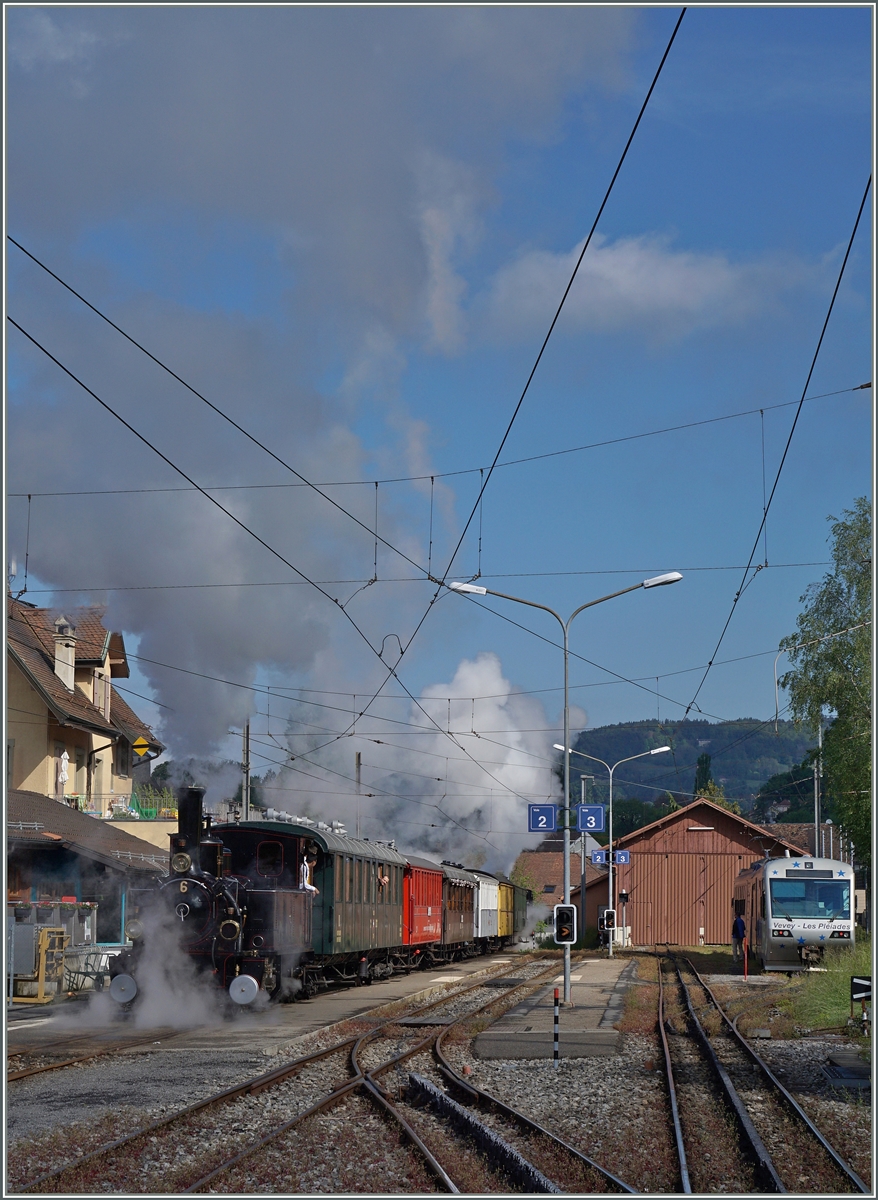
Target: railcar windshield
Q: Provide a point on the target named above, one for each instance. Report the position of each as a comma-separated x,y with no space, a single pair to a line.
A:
823,899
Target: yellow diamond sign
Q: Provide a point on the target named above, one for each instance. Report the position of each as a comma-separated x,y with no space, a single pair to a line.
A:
140,746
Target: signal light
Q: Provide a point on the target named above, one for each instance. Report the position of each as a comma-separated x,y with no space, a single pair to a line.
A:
565,924
610,919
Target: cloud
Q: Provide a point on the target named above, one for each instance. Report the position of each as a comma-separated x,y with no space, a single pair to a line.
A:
40,41
635,282
280,203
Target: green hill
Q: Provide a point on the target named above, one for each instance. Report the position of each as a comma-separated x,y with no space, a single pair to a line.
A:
744,755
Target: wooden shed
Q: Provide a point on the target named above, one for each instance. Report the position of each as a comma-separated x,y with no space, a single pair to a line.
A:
682,873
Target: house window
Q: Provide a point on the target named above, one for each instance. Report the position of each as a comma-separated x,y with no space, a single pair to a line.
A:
550,887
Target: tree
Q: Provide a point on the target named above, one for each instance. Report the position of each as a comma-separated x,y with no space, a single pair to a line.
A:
702,774
831,654
716,792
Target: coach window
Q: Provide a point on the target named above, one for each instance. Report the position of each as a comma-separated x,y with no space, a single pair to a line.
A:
269,859
348,879
339,877
358,881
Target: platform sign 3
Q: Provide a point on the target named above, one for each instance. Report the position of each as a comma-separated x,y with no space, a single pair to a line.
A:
622,857
541,818
590,818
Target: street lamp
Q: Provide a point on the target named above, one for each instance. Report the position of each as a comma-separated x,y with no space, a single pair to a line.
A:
475,589
611,769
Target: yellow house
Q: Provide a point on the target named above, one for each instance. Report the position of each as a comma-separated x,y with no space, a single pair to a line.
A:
70,734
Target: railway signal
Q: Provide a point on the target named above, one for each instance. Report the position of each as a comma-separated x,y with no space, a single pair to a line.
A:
610,919
565,924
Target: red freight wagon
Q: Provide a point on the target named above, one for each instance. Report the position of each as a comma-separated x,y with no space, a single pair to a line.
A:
422,902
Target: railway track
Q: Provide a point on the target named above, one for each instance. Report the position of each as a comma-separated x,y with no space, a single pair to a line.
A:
734,1122
58,1052
196,1145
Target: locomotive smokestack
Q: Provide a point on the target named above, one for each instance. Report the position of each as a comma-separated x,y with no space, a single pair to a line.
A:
189,819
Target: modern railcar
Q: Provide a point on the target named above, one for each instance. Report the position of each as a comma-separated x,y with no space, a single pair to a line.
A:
794,908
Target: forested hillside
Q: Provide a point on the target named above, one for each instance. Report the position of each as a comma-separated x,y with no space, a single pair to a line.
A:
744,754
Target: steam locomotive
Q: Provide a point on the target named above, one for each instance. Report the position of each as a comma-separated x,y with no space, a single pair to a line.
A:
274,909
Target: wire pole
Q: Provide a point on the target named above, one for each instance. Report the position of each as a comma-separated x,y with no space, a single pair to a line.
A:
245,768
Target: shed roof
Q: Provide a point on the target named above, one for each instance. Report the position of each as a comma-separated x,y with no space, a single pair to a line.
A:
760,833
33,819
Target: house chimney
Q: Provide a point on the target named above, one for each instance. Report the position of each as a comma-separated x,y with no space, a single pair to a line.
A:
65,651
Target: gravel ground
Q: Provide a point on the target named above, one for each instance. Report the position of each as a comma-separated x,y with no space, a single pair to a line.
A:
612,1109
350,1150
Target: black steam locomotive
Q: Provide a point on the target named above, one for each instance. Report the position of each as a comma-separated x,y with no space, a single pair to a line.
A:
275,910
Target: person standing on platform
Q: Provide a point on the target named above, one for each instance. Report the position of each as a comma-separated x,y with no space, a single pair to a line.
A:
739,932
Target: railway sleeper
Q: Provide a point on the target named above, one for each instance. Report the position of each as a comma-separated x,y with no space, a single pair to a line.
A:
422,1092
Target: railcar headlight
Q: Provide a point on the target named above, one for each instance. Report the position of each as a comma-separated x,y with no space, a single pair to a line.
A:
133,930
781,933
181,863
840,933
229,930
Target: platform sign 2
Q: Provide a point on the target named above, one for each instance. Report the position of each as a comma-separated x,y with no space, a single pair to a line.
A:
590,818
598,858
541,818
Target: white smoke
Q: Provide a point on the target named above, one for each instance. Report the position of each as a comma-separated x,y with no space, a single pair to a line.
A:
451,776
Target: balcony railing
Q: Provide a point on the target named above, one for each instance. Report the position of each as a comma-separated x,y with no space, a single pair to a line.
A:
119,806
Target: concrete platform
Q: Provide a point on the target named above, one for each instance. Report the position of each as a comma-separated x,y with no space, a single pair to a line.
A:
598,987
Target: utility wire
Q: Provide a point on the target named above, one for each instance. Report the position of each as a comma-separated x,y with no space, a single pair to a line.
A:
780,468
486,480
392,671
513,462
554,322
240,428
182,587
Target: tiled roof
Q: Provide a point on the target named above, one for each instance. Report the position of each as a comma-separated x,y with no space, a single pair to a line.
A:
131,725
26,645
802,835
32,818
31,644
546,869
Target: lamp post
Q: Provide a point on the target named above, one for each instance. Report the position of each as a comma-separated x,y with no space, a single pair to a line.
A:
611,769
582,779
656,581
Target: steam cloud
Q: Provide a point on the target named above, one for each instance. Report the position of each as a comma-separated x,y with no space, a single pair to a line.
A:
464,799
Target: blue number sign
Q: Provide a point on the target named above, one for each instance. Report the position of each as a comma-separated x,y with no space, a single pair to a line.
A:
598,858
541,818
590,818
622,857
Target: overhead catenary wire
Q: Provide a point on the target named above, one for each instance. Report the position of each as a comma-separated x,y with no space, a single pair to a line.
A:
392,671
517,409
783,459
514,462
238,583
215,408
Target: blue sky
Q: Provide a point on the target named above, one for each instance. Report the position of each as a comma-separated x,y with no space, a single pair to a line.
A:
349,229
